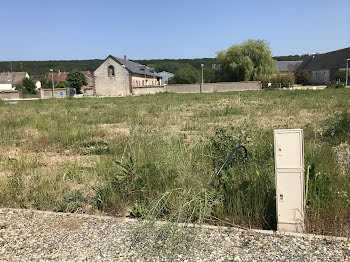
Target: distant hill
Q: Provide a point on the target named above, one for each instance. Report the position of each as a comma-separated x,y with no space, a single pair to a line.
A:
42,67
35,68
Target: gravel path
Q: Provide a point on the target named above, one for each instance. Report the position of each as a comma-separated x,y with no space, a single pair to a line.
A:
27,235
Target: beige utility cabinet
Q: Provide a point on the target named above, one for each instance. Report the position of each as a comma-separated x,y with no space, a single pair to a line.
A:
289,175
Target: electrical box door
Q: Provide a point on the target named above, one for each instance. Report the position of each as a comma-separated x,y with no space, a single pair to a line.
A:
289,175
289,149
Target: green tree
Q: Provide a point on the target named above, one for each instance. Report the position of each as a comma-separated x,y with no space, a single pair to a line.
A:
302,77
340,76
44,82
29,85
209,75
186,75
246,61
62,84
76,79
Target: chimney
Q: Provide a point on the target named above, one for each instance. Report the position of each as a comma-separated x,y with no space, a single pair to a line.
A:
58,72
125,58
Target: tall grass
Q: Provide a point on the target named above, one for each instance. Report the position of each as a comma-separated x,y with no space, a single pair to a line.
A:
156,156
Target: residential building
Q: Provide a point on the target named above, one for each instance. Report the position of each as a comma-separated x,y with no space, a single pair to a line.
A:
323,66
120,77
9,80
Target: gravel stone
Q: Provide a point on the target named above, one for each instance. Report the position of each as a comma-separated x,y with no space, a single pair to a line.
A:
28,235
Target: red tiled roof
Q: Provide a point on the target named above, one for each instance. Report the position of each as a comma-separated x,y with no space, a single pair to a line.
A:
61,76
88,74
57,77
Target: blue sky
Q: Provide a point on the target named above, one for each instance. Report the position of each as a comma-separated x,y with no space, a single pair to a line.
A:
150,29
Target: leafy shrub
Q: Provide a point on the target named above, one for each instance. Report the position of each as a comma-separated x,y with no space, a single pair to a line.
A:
303,77
340,76
186,75
335,84
277,80
62,84
28,86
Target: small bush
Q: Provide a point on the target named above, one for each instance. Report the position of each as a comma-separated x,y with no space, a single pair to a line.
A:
302,77
186,75
339,76
335,84
277,80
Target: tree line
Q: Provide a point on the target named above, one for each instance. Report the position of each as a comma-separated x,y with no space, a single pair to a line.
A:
40,68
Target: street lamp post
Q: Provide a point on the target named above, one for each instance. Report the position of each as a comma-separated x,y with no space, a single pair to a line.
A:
202,79
347,73
53,84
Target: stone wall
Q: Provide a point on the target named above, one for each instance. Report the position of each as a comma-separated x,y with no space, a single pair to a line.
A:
117,85
11,94
215,87
47,93
148,90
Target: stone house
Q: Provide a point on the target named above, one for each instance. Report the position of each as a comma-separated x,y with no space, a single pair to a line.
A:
121,77
323,66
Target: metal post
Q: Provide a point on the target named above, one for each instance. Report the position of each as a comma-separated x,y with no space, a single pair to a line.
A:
347,68
201,89
53,84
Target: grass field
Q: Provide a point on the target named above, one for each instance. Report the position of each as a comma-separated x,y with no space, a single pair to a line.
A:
157,154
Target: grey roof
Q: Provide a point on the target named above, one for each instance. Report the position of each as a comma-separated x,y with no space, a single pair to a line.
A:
13,78
288,66
326,61
135,67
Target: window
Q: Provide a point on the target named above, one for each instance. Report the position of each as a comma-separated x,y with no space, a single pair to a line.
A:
110,71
